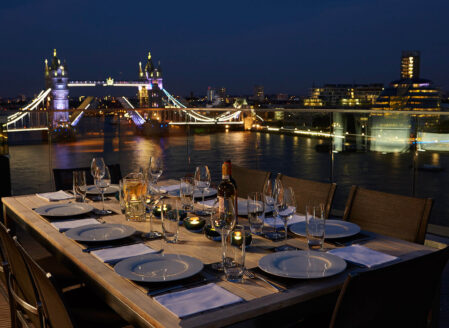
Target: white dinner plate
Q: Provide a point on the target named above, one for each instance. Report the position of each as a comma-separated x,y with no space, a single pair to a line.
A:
158,267
302,264
100,232
93,190
333,229
68,209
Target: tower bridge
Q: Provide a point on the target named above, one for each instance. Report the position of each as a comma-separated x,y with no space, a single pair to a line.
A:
54,101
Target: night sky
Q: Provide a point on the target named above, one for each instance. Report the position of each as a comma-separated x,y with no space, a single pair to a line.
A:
284,45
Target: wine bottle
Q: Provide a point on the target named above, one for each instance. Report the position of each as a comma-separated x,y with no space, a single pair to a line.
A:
226,192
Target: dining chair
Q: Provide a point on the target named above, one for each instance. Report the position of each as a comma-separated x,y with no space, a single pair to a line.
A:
64,177
24,302
309,191
397,216
75,308
396,295
248,180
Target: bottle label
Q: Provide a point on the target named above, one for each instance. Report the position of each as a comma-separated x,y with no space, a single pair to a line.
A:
225,177
223,204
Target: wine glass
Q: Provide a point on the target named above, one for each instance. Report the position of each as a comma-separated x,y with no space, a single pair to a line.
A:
223,221
278,200
156,168
286,206
269,191
97,168
153,199
102,184
202,180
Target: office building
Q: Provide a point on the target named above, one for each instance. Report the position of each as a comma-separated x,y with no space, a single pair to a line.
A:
410,62
411,92
343,95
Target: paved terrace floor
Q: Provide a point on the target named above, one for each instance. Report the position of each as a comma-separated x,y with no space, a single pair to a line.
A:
37,251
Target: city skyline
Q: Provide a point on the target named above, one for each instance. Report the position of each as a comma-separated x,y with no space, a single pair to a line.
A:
287,49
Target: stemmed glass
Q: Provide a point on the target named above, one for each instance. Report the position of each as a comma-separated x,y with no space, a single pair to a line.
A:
224,221
202,180
97,168
156,168
285,206
102,184
270,191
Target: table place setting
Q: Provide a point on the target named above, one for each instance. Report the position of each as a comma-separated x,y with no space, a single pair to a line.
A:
64,210
198,299
363,256
55,196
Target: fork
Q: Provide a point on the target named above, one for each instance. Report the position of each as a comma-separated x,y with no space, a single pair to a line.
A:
252,275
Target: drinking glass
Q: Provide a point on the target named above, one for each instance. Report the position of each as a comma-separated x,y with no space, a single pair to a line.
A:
223,221
271,193
102,184
121,196
79,186
234,254
153,198
186,190
134,192
97,168
202,180
170,222
155,169
286,207
256,212
315,226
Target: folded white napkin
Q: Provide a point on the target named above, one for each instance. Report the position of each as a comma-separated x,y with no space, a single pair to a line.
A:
116,254
55,196
280,224
65,225
169,188
197,299
362,255
210,203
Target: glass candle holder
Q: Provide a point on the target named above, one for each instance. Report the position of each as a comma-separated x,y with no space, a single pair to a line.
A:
211,233
157,210
194,224
236,238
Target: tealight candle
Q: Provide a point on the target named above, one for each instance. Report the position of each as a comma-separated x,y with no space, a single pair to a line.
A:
157,210
194,224
237,238
211,233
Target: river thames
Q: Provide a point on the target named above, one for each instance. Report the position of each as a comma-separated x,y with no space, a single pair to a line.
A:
31,165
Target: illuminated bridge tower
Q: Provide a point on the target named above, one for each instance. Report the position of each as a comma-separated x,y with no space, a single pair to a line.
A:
56,78
152,94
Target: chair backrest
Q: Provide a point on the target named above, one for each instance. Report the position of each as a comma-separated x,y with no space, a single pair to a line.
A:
396,295
64,177
20,283
392,215
56,313
248,180
4,267
309,191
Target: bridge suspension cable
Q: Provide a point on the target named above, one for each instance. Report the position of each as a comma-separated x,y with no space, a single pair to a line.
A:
198,117
25,110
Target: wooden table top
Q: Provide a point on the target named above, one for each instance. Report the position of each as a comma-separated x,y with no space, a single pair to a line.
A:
131,301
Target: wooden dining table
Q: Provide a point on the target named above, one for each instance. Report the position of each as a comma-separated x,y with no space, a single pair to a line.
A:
261,303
